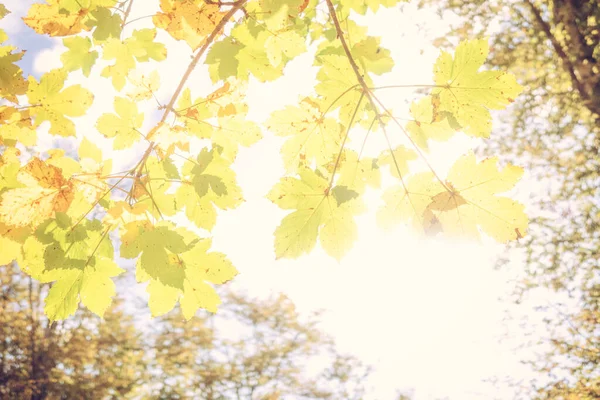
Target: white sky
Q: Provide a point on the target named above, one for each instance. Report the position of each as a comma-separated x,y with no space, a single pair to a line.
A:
424,312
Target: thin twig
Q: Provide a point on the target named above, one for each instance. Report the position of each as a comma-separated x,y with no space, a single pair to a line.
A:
337,161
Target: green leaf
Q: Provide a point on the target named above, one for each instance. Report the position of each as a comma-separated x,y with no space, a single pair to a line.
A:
159,246
178,265
79,55
140,47
468,94
222,59
328,214
53,103
210,183
108,25
428,123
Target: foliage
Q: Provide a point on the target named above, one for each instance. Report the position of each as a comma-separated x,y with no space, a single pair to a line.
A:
80,358
553,47
274,352
63,216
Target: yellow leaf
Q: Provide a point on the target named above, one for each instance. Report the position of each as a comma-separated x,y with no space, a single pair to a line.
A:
473,202
124,126
63,17
425,125
310,137
50,102
145,85
139,47
189,20
408,204
397,160
46,192
320,212
53,20
465,202
468,94
12,83
11,240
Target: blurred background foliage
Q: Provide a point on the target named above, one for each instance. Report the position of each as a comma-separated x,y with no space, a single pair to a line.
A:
553,130
251,349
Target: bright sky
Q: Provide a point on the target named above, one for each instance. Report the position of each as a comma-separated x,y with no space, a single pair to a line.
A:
424,312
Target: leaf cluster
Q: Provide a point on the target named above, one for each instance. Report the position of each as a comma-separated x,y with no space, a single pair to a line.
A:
64,217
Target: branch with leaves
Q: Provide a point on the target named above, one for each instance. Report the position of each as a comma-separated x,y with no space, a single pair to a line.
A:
62,215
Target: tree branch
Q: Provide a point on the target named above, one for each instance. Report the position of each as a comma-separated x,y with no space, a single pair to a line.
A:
558,48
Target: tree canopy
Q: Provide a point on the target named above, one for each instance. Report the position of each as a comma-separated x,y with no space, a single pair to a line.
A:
274,353
64,216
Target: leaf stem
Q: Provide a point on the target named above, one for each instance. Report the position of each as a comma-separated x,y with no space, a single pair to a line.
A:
126,14
339,156
169,107
108,229
372,99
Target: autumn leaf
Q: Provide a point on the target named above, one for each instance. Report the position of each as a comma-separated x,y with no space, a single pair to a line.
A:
310,137
50,102
467,93
124,126
319,212
178,265
79,55
189,20
466,201
140,47
45,192
12,83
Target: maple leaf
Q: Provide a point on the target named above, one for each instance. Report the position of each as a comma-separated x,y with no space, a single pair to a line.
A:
226,104
55,20
354,173
323,213
221,59
468,94
79,55
11,241
12,83
467,200
46,191
189,20
50,102
78,258
145,85
311,137
124,126
284,46
63,17
374,58
178,264
397,160
337,88
140,46
9,169
16,126
210,183
427,125
107,25
3,11
92,286
252,57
